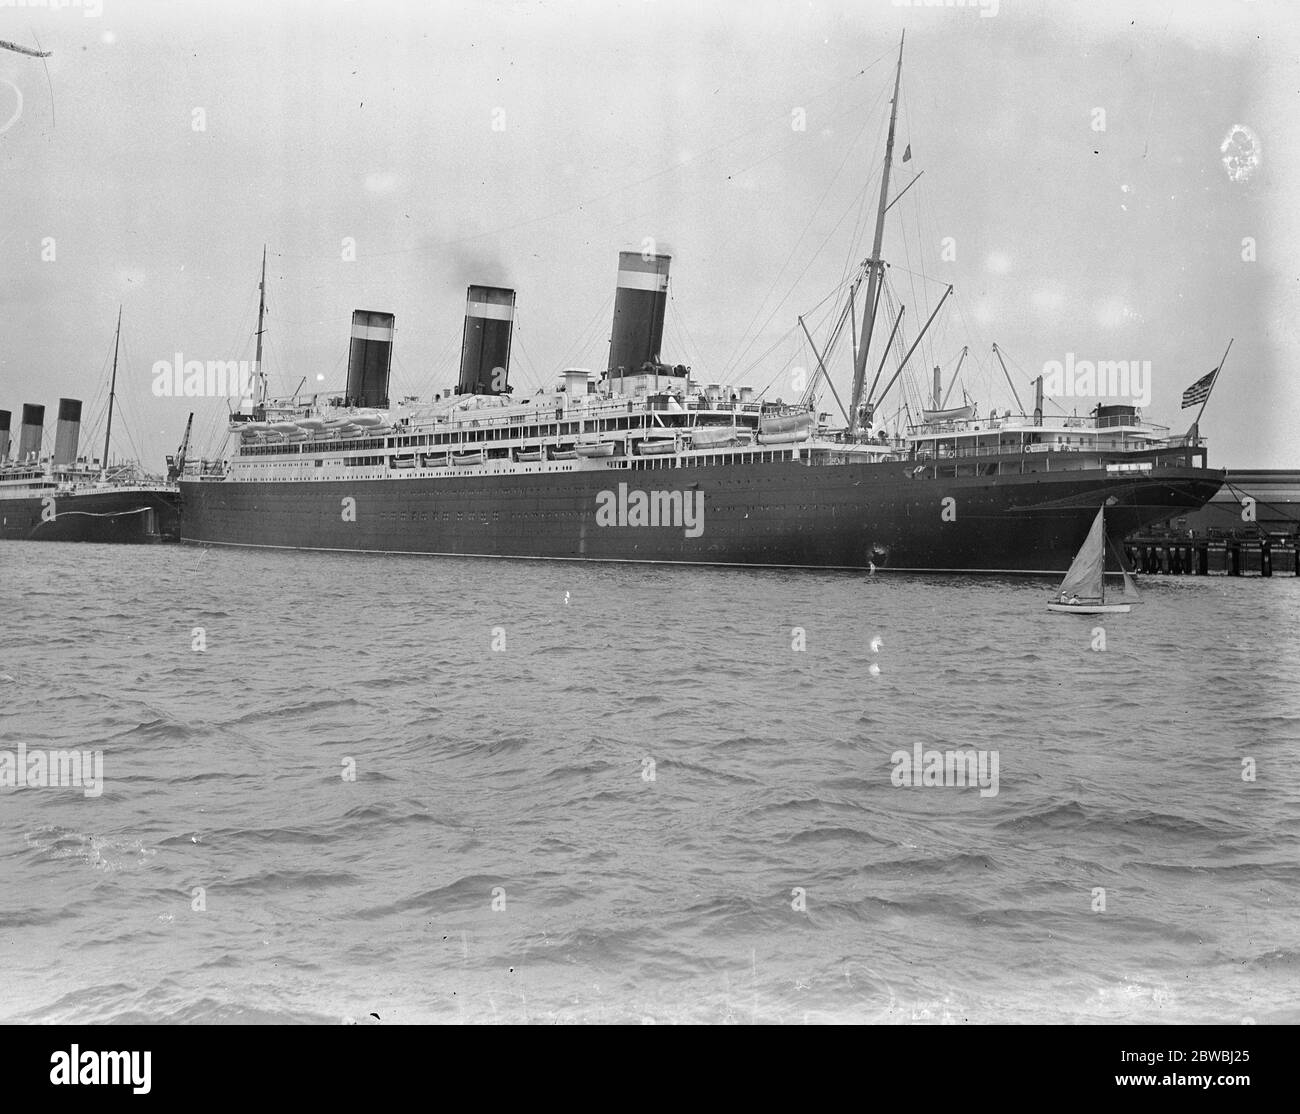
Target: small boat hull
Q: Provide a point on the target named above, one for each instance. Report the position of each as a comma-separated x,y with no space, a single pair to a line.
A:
1090,608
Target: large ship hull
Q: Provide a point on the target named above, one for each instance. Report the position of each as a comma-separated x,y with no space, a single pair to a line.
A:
886,515
127,515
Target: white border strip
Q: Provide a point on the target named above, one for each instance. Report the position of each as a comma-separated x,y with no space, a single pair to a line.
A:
642,280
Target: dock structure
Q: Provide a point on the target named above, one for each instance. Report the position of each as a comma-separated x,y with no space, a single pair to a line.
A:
1250,528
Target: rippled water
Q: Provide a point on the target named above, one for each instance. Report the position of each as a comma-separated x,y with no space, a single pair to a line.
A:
644,779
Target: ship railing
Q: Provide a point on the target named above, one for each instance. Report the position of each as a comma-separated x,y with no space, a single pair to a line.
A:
1026,423
928,451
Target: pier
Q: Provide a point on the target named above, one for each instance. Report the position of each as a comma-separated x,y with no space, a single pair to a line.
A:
1250,528
1212,556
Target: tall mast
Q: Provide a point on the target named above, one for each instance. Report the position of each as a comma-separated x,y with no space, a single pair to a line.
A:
261,314
112,393
875,266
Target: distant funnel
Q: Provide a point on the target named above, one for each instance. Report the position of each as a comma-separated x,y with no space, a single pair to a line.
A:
639,308
29,437
68,432
485,347
5,418
370,358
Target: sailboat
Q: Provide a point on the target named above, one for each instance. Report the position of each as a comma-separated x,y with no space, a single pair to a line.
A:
1083,591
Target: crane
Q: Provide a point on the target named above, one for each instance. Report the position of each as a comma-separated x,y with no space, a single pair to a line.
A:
176,464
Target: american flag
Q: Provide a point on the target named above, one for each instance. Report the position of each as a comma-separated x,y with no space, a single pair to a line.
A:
1199,391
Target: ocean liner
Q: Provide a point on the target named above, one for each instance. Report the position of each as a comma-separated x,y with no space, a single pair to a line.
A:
66,497
641,462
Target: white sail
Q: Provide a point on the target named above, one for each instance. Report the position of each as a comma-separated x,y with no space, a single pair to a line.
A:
1129,593
1085,577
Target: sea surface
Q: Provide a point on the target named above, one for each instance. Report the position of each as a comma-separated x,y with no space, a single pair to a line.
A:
389,789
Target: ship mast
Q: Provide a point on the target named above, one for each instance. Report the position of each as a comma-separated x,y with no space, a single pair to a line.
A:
261,314
874,264
112,393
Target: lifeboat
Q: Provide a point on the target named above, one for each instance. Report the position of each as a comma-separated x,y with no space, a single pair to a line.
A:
657,448
564,454
959,414
528,456
285,427
784,429
477,456
367,421
402,462
712,436
311,424
594,448
789,429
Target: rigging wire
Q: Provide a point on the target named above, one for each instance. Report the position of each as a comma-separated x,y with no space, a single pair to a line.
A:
792,331
441,366
532,373
679,321
589,335
729,367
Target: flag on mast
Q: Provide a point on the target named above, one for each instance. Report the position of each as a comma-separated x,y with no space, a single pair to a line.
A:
907,154
1199,391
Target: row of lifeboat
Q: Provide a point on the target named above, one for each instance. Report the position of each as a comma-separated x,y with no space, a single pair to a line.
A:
300,429
783,430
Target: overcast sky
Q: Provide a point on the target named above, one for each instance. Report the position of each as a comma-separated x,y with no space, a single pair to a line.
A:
525,144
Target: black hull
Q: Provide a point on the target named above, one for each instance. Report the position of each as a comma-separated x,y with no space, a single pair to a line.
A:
129,516
779,514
